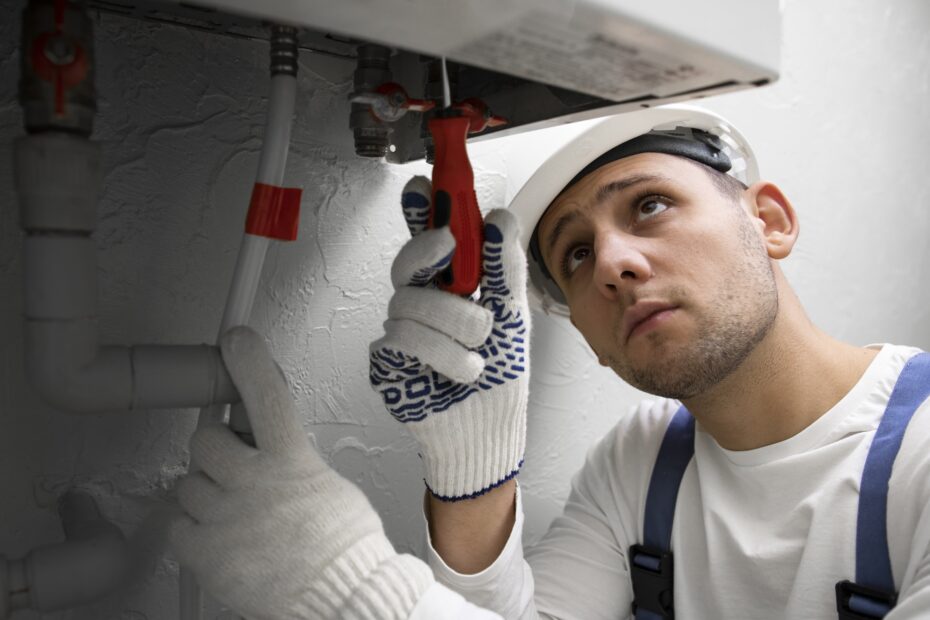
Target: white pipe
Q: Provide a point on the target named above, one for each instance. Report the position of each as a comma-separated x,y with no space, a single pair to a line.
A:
239,303
73,373
271,166
58,182
253,249
64,359
283,100
242,290
246,276
91,563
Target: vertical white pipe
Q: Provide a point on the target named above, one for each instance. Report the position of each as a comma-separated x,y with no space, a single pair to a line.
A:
271,166
277,129
239,302
247,273
63,357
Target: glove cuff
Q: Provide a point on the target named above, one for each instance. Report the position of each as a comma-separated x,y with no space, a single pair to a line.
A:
474,449
391,589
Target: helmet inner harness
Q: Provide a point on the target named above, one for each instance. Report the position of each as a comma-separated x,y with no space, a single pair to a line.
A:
695,144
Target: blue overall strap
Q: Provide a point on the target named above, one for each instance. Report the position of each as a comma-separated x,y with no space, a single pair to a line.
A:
873,594
651,567
674,455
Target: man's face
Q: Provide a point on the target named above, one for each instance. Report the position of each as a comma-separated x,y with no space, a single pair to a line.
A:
667,278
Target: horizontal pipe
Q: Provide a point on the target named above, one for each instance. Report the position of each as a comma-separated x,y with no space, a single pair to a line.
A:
180,376
92,562
69,371
75,573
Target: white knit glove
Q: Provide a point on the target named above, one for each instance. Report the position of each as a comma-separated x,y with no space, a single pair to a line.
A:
456,371
273,532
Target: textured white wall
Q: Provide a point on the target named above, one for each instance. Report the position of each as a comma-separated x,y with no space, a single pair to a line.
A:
181,114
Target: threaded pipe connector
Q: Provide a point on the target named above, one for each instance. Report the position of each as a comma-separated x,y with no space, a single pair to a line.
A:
284,52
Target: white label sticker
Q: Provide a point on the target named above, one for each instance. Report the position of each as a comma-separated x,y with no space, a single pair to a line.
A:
546,49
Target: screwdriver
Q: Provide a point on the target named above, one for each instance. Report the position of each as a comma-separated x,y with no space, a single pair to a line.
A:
454,201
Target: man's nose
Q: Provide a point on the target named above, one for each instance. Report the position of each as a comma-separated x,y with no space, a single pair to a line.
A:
619,265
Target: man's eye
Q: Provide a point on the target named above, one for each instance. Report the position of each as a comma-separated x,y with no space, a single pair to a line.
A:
649,208
574,258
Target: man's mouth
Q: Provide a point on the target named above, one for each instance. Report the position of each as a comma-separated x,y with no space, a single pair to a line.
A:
644,316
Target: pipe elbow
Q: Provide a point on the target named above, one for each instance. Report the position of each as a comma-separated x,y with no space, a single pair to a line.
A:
91,563
69,372
64,360
75,573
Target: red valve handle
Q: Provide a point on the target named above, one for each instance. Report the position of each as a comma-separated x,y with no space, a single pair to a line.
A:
455,203
62,76
479,115
415,105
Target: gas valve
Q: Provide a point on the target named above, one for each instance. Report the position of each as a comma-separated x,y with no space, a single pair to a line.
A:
390,102
57,81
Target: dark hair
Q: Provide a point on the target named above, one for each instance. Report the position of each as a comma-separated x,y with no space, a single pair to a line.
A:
728,186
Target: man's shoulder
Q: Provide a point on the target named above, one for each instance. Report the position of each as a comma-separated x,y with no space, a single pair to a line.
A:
917,436
914,455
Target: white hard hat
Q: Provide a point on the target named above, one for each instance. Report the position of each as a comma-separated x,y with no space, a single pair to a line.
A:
597,146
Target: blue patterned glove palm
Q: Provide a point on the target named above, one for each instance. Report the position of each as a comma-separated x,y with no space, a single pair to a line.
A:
456,370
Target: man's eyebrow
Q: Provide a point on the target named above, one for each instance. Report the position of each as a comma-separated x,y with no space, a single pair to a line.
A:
559,227
603,193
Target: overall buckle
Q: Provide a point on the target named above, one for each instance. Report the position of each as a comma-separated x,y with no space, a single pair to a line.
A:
651,571
856,602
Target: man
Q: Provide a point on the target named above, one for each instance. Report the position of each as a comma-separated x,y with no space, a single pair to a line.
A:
740,500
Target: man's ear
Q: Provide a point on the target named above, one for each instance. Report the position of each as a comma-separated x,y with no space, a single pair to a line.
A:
779,222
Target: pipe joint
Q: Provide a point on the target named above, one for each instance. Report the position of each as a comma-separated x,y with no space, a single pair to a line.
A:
58,179
91,563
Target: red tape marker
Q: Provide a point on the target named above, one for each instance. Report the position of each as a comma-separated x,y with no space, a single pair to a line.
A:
274,212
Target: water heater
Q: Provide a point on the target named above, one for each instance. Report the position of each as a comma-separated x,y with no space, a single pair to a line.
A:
532,63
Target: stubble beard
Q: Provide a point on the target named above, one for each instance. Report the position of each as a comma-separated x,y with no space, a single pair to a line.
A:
727,332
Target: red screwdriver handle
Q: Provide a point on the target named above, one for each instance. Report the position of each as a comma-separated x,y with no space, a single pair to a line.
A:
455,203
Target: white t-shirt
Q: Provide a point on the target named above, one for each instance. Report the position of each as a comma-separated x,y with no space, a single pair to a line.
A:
758,534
